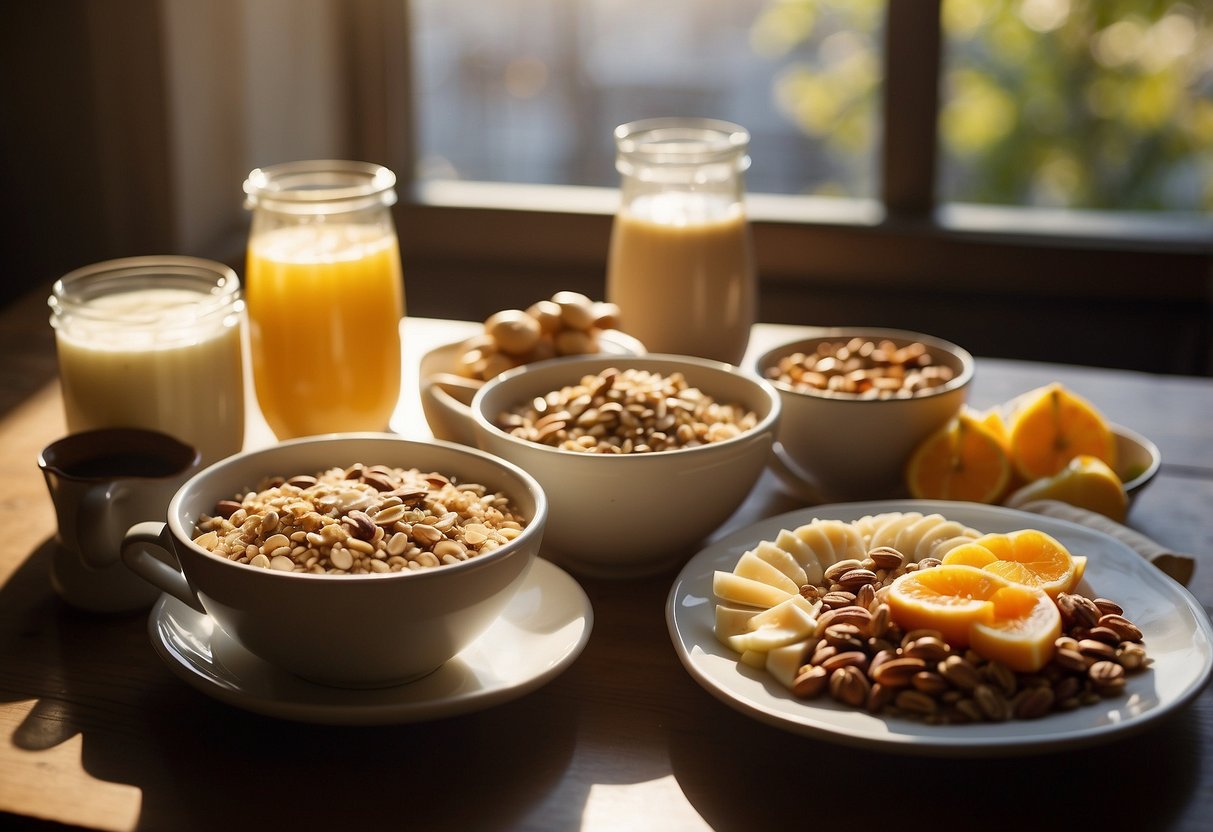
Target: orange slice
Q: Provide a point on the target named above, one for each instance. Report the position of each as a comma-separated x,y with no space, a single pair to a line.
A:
1087,482
1051,426
1003,621
1028,557
964,460
970,554
1022,634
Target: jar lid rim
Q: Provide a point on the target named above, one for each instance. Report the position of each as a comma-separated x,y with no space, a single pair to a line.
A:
309,183
681,140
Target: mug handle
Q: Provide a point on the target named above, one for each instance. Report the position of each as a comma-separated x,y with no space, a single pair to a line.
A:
147,550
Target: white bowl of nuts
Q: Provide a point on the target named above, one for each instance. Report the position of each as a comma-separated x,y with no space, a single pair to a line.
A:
355,560
857,401
641,456
567,324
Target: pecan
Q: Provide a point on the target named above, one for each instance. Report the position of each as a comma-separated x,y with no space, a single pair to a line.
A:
853,579
927,648
1077,610
843,636
960,672
1123,627
915,702
226,508
849,685
810,682
1070,660
1033,702
851,658
1097,650
886,557
361,525
929,682
838,569
1131,656
1108,677
897,673
993,705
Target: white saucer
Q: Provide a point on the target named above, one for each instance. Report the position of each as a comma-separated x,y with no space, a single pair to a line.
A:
1178,637
542,630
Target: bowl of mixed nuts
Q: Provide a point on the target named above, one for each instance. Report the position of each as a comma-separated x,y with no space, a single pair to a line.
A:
857,401
354,560
641,456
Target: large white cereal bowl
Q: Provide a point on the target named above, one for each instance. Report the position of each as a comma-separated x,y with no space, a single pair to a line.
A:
625,515
843,448
358,631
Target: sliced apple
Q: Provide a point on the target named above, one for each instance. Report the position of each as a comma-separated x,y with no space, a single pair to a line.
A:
753,567
784,663
802,553
731,621
730,587
782,560
754,658
789,621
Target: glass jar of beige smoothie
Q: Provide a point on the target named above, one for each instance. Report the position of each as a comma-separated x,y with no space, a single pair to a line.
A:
681,262
153,342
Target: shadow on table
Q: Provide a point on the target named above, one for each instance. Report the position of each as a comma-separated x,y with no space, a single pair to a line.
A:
1140,782
201,764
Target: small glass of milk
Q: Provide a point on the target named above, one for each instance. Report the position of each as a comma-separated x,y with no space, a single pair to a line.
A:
153,342
681,261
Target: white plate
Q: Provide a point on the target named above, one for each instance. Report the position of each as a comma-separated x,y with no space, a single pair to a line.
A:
542,630
1178,637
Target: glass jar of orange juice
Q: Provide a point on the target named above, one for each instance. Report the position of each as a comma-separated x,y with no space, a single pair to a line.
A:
325,296
681,263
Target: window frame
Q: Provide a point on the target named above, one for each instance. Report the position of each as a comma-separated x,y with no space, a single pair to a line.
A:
903,234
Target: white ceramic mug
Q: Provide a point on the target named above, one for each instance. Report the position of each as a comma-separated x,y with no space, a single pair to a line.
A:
356,631
102,482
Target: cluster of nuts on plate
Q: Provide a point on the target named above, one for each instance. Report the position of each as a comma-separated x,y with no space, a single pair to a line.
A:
567,324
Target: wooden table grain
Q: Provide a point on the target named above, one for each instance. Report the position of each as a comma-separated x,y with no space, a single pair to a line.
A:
98,733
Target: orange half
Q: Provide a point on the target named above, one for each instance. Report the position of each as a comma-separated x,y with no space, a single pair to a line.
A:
964,460
1011,623
1051,426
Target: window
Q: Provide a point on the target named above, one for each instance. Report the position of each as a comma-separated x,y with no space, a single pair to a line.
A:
886,188
1095,104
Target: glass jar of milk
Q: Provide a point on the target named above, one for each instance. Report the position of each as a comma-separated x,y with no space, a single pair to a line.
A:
153,342
325,296
681,263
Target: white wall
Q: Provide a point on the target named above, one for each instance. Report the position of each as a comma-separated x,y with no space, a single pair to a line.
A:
249,83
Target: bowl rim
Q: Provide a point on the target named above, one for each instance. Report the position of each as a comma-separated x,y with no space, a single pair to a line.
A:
765,425
958,381
1143,479
533,528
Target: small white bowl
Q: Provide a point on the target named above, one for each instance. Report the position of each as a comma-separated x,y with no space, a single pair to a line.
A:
628,515
1137,459
355,631
446,395
843,448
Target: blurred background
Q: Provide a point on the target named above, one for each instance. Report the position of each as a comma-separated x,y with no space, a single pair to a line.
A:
1030,178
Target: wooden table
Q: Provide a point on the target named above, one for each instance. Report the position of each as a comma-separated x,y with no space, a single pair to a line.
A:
99,733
